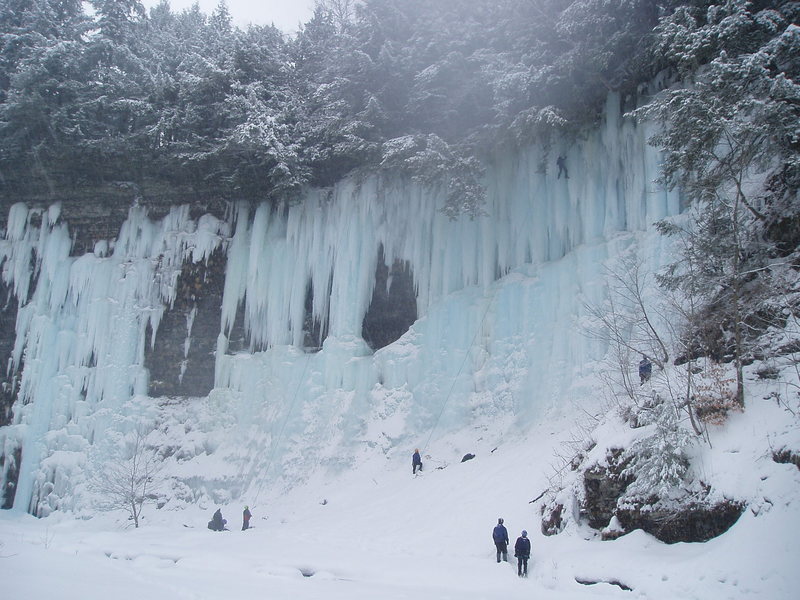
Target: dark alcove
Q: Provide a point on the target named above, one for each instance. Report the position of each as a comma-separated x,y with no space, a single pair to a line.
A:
394,304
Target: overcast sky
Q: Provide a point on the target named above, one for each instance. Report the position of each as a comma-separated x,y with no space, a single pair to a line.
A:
285,14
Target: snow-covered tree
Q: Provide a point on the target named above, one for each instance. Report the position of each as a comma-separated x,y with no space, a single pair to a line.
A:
431,161
730,140
116,19
186,100
657,462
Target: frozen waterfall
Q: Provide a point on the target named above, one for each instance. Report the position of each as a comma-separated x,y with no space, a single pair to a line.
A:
497,340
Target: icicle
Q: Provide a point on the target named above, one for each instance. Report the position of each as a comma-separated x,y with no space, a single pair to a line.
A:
332,243
83,330
17,222
501,346
189,322
498,298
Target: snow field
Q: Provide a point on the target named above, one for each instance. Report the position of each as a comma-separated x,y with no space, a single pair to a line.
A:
377,531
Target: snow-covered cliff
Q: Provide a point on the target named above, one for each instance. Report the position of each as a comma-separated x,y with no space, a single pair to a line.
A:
497,345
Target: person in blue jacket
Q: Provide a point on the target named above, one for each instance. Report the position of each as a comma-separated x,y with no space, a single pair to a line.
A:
416,461
500,537
645,370
217,523
522,550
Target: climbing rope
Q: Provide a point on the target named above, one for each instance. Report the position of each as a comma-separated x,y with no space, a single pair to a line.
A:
460,369
274,445
277,439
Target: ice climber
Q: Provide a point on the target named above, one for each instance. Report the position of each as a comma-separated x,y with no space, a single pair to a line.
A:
522,550
246,518
645,370
416,461
217,523
500,537
561,161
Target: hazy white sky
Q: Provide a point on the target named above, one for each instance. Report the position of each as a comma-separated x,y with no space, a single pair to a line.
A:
285,14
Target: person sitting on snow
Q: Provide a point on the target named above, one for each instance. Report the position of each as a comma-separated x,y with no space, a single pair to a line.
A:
217,523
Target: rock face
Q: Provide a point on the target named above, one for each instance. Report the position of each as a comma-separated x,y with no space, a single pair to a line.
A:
552,523
603,487
603,499
181,358
393,307
8,317
95,217
679,521
8,387
181,363
686,523
13,475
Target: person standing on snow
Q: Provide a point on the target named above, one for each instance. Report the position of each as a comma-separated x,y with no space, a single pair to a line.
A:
246,518
416,461
522,550
500,537
645,370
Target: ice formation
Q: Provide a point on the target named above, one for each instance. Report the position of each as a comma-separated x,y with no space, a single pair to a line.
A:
81,334
497,340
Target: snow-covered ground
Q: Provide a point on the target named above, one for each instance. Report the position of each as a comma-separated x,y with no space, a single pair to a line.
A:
379,532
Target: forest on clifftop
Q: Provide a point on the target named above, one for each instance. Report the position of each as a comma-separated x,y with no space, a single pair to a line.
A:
159,100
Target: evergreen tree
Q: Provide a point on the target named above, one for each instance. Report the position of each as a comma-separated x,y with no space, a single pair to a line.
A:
39,66
188,100
658,461
117,19
730,140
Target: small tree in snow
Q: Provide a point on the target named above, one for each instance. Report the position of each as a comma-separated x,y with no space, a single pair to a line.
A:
715,394
127,480
658,462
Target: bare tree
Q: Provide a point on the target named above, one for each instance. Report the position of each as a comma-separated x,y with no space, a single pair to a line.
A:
126,480
626,323
632,325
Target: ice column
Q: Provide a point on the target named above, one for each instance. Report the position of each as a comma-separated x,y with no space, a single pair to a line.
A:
499,297
81,334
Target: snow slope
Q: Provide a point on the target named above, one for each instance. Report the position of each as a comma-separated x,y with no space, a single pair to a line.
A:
378,532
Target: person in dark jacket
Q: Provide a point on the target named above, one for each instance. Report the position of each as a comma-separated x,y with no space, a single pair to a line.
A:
217,523
645,370
246,518
416,461
561,161
500,537
522,550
